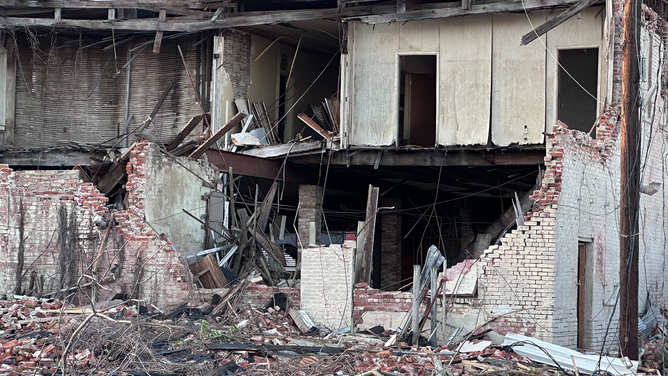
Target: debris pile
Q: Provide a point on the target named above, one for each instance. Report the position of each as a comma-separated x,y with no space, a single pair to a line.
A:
231,337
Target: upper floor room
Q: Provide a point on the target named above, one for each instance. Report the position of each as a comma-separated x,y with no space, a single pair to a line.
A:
467,81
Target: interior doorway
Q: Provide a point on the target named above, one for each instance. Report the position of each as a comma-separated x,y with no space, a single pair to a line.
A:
417,100
584,294
576,107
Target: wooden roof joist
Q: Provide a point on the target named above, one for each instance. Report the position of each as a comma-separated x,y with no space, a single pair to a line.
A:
198,4
174,24
455,10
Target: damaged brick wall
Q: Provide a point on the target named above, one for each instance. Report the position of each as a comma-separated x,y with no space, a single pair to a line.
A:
310,211
516,278
148,266
42,213
60,240
390,244
375,307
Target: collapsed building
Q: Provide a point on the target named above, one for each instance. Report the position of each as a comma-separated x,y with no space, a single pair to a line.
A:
330,143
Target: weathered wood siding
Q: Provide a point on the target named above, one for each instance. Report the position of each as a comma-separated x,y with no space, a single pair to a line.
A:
485,78
55,77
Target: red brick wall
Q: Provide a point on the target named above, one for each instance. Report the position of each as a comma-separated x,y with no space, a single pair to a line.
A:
366,299
147,267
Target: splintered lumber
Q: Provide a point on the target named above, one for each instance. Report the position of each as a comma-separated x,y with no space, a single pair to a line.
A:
109,181
303,322
185,131
253,347
162,16
273,249
265,208
216,136
313,125
207,271
370,231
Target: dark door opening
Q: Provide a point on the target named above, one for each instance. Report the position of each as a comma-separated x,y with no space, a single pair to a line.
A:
576,108
582,292
417,100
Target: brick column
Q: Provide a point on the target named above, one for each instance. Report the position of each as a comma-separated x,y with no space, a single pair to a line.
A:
390,244
310,197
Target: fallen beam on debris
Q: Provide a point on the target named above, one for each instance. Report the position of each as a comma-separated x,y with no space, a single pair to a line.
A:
216,136
265,348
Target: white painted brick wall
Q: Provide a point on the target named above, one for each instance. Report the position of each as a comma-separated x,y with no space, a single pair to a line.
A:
326,285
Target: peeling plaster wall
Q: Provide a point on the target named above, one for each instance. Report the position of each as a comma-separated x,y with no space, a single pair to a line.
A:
484,78
172,186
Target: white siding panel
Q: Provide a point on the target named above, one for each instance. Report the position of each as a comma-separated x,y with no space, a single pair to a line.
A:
375,99
419,36
518,93
585,31
465,80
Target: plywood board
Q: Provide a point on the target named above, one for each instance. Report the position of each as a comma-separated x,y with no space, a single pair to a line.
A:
465,80
518,90
583,31
375,89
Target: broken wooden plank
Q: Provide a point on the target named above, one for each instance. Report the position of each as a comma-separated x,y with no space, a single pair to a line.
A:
259,347
455,10
370,231
185,131
208,272
109,181
313,125
302,321
556,21
265,207
216,136
158,34
273,249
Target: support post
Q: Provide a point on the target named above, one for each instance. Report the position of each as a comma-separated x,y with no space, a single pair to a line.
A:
629,183
416,304
433,275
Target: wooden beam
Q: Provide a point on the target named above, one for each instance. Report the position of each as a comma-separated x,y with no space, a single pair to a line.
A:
216,136
455,10
57,14
401,6
173,24
158,34
433,157
111,14
54,158
257,167
10,93
103,3
369,233
313,125
556,21
184,132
